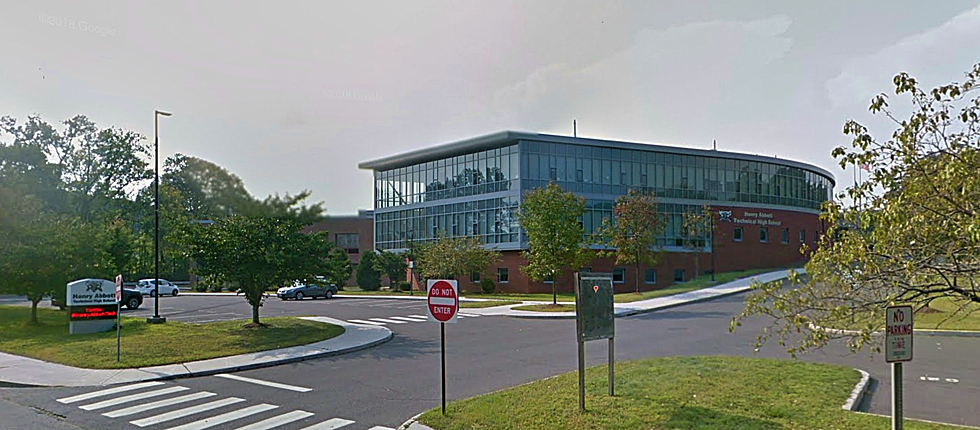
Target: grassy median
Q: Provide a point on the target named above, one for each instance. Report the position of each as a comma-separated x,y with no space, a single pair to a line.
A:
149,344
486,304
704,393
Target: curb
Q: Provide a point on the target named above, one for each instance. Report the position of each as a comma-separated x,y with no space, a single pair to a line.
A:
630,312
939,333
213,371
857,394
413,423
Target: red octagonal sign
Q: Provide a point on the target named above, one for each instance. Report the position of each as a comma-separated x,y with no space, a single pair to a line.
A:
443,300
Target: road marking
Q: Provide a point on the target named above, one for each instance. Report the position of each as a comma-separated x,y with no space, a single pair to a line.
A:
365,322
469,315
131,398
277,421
952,380
388,321
224,418
409,319
158,404
266,383
380,428
180,413
420,316
81,397
331,424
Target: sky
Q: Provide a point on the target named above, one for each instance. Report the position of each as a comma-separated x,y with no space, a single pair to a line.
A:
292,95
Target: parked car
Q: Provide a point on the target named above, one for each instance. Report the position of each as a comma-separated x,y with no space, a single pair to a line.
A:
146,287
298,291
131,299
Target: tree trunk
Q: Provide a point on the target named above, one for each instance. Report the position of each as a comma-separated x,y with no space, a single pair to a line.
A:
34,303
636,277
554,289
255,313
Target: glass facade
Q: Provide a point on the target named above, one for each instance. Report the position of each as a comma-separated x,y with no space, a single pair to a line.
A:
478,194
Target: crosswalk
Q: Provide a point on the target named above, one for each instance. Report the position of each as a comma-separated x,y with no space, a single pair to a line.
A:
154,405
404,319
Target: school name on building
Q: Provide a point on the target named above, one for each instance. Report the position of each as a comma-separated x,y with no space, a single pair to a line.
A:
94,298
757,218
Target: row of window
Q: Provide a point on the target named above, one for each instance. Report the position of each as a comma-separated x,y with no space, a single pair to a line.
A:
619,275
493,220
739,232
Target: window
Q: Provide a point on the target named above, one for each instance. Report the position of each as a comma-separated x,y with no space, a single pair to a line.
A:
678,275
619,275
763,234
650,276
785,236
579,176
348,242
553,173
802,236
502,275
475,277
585,270
737,234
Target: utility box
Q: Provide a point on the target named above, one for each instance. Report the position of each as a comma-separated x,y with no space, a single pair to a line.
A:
92,306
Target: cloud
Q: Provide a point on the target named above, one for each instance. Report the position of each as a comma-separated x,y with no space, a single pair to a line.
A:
933,56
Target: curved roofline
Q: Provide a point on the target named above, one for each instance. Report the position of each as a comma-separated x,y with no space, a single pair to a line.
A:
508,137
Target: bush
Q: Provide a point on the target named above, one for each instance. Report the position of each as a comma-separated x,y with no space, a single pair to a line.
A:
200,287
368,275
403,286
487,285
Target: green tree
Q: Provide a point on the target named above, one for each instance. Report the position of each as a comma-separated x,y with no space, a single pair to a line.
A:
912,237
393,265
256,253
339,268
697,233
550,218
632,234
454,257
368,272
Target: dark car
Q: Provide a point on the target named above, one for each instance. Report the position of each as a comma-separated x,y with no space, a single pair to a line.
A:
299,291
131,299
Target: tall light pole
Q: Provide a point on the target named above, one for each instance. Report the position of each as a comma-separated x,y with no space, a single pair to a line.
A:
156,318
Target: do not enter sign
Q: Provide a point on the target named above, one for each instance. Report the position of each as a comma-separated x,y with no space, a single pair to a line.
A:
443,300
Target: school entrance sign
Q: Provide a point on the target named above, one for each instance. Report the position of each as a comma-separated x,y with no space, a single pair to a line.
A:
92,306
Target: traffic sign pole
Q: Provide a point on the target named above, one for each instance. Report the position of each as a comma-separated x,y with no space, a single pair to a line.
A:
119,282
612,361
443,341
897,396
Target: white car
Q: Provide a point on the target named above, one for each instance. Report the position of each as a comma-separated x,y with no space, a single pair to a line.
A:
146,287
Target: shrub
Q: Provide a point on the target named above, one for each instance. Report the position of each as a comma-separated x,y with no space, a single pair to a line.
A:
487,285
368,275
403,286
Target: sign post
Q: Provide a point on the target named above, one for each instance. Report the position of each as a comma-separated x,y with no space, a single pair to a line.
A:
898,349
119,282
594,319
443,302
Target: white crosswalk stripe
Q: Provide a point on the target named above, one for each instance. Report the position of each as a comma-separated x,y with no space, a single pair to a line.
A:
156,405
101,393
420,316
409,319
380,428
180,413
132,398
388,321
225,418
331,424
266,383
365,322
468,315
277,421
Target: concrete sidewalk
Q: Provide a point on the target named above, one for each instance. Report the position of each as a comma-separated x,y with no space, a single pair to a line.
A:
649,305
22,371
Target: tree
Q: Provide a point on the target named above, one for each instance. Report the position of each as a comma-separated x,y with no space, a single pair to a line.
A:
453,258
550,218
368,273
632,234
914,237
393,265
697,232
339,268
256,253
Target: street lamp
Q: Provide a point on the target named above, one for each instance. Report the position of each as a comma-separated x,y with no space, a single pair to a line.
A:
156,318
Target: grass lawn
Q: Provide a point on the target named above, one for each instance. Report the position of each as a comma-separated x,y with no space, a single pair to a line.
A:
561,307
488,304
709,393
149,344
942,316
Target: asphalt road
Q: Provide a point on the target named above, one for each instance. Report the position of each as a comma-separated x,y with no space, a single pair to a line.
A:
385,385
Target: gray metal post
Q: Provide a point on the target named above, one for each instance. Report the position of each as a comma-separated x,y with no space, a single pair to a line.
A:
897,396
118,329
581,375
612,362
443,337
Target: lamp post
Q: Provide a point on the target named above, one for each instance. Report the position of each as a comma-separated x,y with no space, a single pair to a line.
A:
156,318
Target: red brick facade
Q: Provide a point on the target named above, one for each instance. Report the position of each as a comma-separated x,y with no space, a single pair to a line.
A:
361,224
